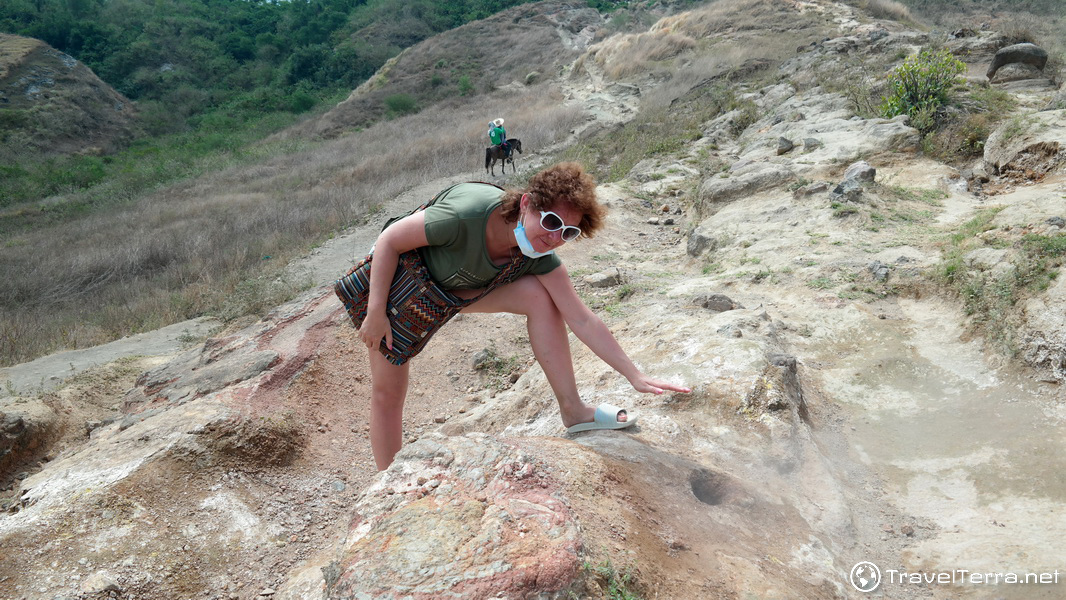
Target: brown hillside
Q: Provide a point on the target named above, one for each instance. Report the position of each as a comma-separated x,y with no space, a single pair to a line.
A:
54,104
511,46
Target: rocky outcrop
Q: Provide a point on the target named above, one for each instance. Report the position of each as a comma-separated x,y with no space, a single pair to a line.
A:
1027,147
829,123
744,179
1043,343
461,517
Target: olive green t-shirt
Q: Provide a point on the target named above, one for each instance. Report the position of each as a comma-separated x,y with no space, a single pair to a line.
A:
455,227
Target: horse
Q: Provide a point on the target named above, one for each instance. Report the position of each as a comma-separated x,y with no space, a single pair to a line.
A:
496,153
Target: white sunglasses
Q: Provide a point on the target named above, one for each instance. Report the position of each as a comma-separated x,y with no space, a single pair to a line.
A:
550,221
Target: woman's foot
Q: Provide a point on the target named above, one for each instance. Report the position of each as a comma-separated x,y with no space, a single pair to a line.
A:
605,416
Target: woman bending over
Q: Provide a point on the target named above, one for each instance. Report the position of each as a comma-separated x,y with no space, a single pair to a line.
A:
465,238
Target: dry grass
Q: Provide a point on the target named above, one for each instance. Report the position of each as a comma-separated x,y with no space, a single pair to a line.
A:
734,16
217,244
888,9
627,55
694,45
13,49
721,64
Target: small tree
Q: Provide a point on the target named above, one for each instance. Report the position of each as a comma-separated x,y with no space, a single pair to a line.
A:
920,86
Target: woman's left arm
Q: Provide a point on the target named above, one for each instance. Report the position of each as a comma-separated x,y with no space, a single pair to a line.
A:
592,331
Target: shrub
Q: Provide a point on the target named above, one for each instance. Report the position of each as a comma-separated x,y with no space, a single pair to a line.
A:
301,102
400,104
465,87
920,86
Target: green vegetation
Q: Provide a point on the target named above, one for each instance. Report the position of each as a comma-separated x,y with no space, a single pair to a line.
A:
94,182
618,584
821,283
499,370
920,86
992,297
221,50
928,196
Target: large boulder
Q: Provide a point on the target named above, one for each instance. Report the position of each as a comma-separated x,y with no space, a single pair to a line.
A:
1026,53
462,517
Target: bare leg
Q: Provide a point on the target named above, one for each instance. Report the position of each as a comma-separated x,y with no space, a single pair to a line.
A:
547,335
389,390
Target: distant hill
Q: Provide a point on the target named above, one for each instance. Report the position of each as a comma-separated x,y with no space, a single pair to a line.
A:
520,44
52,104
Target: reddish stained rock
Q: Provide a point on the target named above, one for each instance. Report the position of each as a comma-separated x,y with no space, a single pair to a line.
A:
490,523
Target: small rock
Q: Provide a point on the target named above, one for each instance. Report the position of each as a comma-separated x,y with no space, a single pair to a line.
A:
716,302
907,530
784,146
1056,222
782,360
861,171
878,270
267,592
849,190
653,221
483,359
664,208
100,582
609,278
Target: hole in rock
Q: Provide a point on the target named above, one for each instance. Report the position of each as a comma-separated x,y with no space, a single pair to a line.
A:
710,487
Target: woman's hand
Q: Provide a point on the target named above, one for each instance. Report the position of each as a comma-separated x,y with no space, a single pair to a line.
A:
376,326
650,385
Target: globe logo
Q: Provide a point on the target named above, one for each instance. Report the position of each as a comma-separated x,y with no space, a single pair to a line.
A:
865,576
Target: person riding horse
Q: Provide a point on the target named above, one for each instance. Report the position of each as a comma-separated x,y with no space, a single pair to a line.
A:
498,137
497,153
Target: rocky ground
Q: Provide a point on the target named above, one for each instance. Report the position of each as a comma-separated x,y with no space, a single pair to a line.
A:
842,410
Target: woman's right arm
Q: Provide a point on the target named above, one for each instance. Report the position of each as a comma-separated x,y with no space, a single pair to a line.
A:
406,234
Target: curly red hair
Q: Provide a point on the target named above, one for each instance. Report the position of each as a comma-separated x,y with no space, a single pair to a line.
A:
564,182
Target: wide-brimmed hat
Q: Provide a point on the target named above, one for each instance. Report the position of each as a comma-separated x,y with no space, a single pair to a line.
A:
498,122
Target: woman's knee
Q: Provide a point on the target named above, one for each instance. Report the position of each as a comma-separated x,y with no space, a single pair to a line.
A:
388,382
535,299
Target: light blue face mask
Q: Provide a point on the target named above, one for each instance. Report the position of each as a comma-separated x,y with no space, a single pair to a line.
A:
524,244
